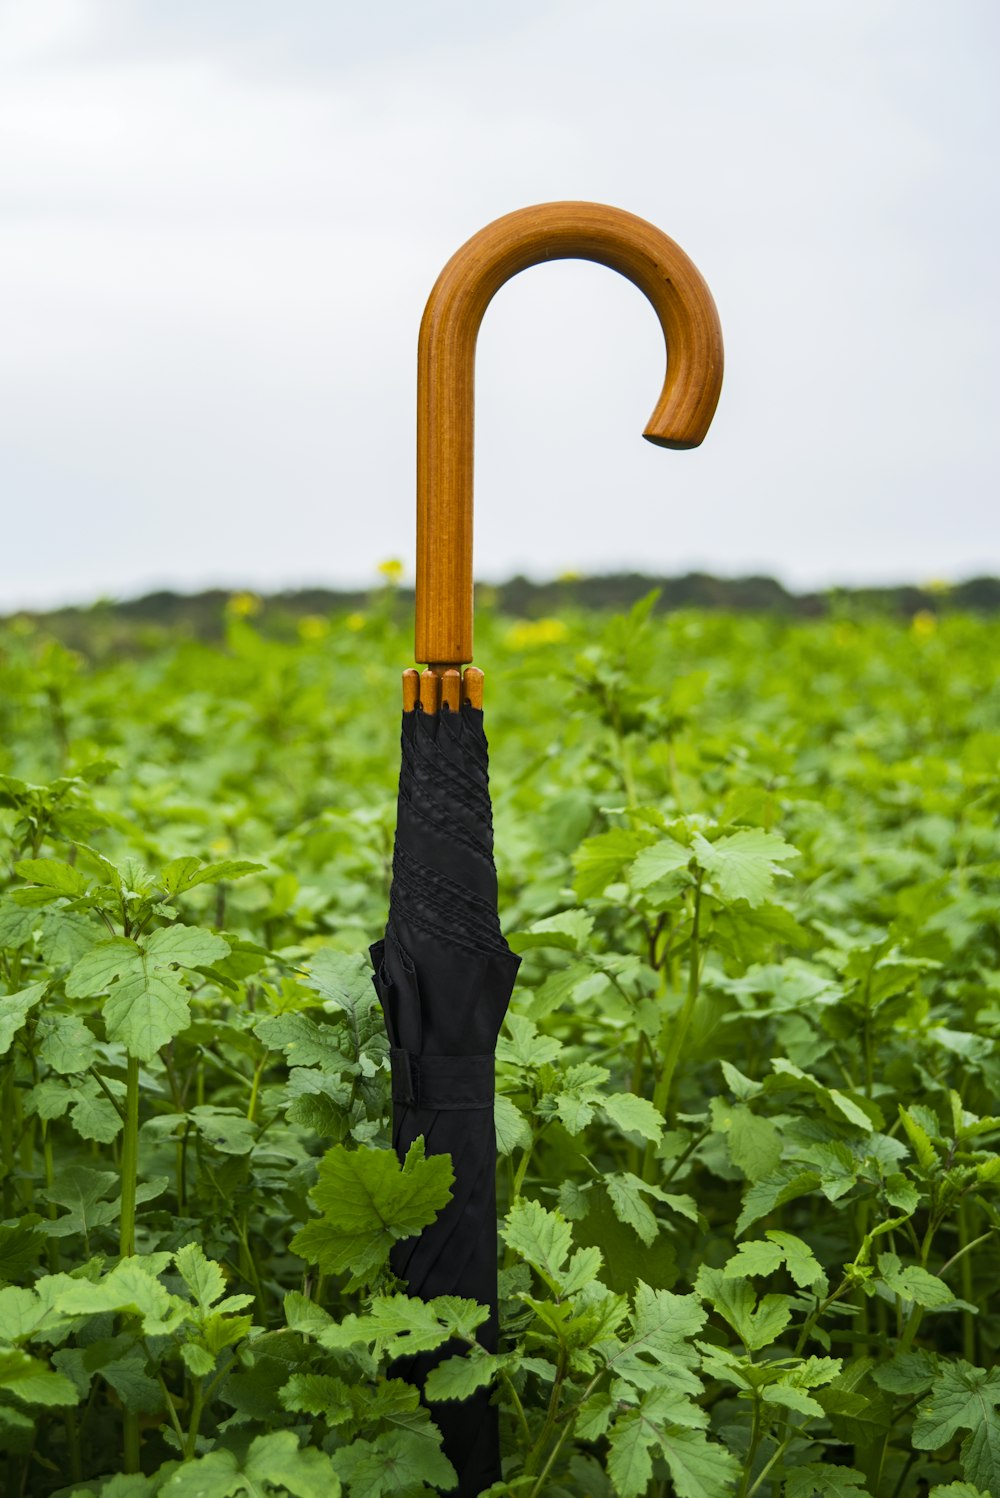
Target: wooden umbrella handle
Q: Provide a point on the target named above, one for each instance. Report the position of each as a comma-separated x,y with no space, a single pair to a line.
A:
446,373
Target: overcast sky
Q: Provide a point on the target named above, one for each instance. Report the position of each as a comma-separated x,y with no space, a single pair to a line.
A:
220,219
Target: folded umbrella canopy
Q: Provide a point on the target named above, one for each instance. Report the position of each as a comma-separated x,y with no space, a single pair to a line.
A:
444,973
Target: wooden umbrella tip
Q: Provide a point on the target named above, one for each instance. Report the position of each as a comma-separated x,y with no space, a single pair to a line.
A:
451,689
472,687
411,689
430,691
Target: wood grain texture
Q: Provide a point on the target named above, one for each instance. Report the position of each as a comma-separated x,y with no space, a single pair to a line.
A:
430,691
446,379
472,687
411,689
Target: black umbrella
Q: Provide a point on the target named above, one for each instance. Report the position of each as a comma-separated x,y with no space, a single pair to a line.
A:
444,972
444,975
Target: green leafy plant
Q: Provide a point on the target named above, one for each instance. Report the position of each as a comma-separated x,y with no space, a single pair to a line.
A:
746,1105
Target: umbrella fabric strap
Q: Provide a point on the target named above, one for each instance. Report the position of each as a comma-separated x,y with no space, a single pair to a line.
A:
450,1082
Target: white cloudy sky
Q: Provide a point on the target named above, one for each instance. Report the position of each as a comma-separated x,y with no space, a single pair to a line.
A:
219,221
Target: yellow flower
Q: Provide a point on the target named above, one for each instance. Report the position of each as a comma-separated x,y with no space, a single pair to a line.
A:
923,623
313,627
243,606
355,622
938,586
532,632
392,570
569,577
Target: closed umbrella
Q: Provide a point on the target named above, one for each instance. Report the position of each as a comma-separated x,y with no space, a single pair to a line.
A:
443,972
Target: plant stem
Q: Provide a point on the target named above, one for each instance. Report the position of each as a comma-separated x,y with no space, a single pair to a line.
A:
755,1434
522,1418
191,1445
537,1451
678,1035
130,1447
130,1161
73,1446
126,1229
53,1244
968,1290
7,1138
778,1452
255,1087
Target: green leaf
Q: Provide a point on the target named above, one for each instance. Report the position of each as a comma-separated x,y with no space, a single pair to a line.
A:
981,1456
513,1130
743,1088
182,874
743,866
920,1141
14,1011
634,1115
784,1185
789,1397
914,1283
29,1380
458,1377
583,1268
304,1315
700,1468
594,1416
907,1373
658,1354
67,1044
318,1394
523,1046
368,1201
53,873
399,1324
828,1481
147,1002
958,1490
305,1042
803,1266
131,1288
602,859
203,1277
625,1194
569,930
754,1143
197,1359
757,1326
93,1115
666,859
900,1192
630,1465
22,1312
398,1462
758,1257
84,1192
542,1238
273,1464
21,1244
961,1397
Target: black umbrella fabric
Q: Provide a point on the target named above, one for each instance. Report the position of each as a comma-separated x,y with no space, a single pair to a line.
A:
444,976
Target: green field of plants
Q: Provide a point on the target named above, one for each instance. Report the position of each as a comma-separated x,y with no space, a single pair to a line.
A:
749,1182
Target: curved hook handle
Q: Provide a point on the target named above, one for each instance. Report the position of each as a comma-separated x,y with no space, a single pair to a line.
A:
446,373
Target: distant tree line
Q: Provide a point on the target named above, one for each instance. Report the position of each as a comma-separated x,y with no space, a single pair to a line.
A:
203,615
